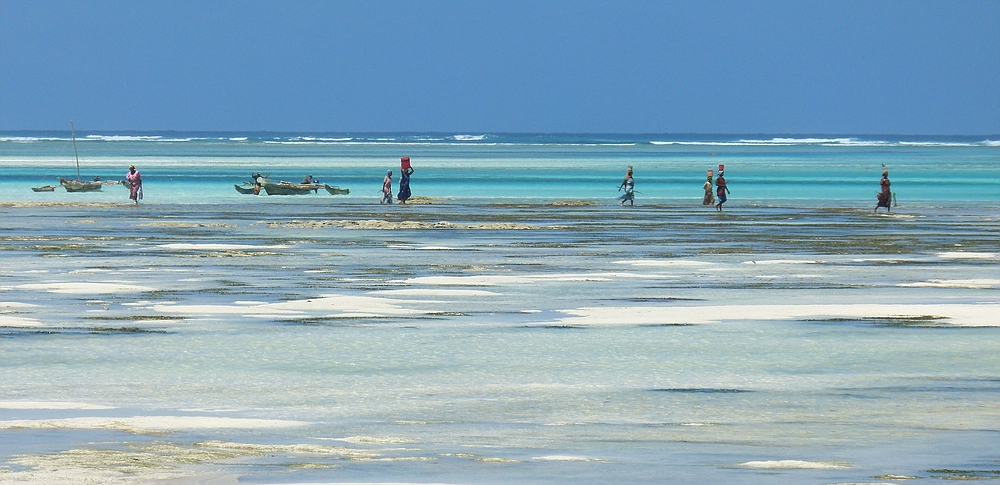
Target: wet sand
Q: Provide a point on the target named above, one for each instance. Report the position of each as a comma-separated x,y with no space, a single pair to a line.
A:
202,342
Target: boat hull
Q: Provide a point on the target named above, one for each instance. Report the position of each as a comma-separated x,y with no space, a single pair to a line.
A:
288,188
80,186
244,188
46,188
336,190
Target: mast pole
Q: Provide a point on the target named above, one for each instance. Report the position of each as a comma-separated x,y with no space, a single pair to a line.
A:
72,130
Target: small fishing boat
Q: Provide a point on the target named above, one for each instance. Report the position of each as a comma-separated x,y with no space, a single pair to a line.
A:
288,188
245,188
333,190
45,188
78,185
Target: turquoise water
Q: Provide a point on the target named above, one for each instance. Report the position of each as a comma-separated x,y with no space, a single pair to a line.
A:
182,168
494,337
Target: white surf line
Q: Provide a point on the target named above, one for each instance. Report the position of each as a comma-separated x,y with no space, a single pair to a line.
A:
972,315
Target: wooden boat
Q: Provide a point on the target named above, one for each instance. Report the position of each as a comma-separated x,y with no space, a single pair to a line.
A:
336,190
80,185
244,188
45,188
288,188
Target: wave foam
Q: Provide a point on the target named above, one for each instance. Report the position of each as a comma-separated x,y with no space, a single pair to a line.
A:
135,138
829,142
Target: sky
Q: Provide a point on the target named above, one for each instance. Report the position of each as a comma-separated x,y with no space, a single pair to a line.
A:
817,67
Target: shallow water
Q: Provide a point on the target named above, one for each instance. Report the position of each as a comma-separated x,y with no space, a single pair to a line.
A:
329,339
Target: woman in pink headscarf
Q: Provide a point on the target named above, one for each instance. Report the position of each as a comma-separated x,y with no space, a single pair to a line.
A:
135,184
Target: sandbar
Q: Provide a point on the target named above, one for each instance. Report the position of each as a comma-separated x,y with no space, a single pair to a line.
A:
972,315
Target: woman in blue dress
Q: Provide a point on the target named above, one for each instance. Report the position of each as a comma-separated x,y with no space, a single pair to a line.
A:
404,185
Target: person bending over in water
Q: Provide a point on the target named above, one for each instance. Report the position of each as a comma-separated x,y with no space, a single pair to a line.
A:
387,188
721,190
885,196
135,184
629,185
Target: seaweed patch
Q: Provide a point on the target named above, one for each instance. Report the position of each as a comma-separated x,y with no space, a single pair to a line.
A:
915,321
111,330
950,474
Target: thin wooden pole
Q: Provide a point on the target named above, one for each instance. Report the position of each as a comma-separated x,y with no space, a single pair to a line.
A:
72,130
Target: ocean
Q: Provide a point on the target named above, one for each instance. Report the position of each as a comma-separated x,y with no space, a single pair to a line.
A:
512,325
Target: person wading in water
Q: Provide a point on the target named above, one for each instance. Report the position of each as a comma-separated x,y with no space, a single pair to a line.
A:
885,196
387,188
404,179
135,184
709,196
629,185
721,190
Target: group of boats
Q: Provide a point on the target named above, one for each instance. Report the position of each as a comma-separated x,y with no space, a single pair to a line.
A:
259,184
266,186
79,185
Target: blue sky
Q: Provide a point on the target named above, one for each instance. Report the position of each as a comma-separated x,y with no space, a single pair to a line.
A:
835,67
